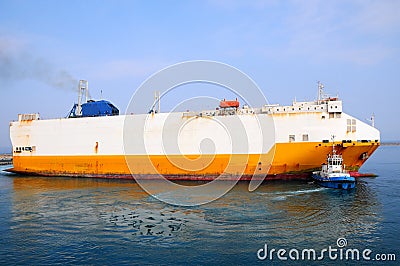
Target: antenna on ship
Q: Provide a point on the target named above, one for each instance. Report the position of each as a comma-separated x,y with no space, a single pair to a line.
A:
372,120
157,101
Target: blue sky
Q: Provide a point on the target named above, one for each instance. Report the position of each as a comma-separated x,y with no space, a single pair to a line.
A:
353,47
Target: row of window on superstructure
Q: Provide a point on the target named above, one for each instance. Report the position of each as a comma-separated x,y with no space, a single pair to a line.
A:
333,115
26,148
28,117
292,138
293,109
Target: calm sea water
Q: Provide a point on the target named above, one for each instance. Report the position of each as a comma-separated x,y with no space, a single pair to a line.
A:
91,221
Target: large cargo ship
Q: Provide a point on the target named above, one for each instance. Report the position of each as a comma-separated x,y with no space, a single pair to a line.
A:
90,141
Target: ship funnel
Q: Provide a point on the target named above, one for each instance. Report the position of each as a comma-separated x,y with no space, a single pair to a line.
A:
83,96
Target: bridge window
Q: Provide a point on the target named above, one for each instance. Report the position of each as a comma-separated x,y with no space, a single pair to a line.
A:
292,138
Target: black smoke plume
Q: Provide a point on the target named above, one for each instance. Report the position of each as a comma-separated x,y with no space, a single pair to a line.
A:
21,65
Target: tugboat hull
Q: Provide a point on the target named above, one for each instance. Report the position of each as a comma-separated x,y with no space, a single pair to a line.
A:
342,182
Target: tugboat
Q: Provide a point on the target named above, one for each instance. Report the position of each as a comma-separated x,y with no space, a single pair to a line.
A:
333,174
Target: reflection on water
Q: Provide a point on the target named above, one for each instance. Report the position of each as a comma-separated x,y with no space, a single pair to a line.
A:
110,221
320,214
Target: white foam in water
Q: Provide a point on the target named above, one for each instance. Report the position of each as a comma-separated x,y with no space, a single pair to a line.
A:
304,191
4,167
280,198
291,193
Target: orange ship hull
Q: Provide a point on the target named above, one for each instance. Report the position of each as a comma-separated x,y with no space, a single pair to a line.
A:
290,161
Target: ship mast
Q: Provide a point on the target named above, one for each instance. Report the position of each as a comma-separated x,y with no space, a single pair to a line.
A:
320,91
83,95
333,144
